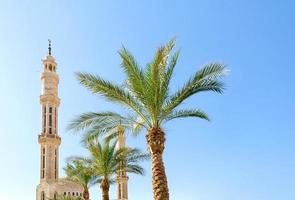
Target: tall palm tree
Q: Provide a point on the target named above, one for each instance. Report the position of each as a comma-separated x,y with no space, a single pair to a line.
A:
79,171
105,160
147,96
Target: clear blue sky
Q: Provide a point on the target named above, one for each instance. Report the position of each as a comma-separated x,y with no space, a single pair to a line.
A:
247,152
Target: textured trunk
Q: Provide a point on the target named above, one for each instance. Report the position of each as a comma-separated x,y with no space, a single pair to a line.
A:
156,139
86,194
105,187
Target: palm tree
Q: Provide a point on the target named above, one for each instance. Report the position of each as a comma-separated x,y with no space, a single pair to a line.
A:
147,96
115,132
79,171
106,160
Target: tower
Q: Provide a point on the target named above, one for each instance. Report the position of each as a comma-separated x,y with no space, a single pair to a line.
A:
122,178
48,138
50,185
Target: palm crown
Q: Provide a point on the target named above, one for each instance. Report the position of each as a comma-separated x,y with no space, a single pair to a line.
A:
79,171
106,160
147,92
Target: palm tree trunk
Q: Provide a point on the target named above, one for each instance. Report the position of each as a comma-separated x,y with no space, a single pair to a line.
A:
105,187
86,194
156,139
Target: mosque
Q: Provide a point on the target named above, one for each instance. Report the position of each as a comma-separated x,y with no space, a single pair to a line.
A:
51,185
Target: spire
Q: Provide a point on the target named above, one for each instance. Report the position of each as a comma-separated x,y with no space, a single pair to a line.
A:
49,47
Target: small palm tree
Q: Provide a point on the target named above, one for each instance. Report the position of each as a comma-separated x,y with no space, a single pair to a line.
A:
79,171
147,96
106,160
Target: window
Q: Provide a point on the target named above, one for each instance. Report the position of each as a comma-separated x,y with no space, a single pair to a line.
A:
55,119
73,193
44,119
55,195
50,120
55,163
50,67
65,193
42,195
43,164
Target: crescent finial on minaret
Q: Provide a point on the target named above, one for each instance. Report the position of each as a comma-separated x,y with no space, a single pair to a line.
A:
49,47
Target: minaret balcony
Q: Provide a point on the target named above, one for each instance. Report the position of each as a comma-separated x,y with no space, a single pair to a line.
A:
49,98
42,138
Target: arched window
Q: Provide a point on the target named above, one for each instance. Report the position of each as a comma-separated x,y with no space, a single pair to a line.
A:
44,118
43,163
42,195
73,193
55,122
50,119
55,195
55,163
50,67
65,193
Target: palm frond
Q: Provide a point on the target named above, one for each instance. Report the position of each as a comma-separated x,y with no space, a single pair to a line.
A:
206,79
167,76
79,170
135,169
98,119
135,76
110,91
184,113
154,73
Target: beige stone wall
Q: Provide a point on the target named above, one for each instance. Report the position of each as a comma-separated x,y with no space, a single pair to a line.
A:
60,187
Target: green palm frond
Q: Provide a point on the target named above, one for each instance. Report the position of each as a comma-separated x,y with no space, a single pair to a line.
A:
105,159
100,120
154,78
135,76
138,125
187,113
167,76
135,169
110,91
206,79
131,155
95,125
78,170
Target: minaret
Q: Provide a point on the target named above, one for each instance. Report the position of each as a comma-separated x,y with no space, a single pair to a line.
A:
50,185
122,178
48,138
